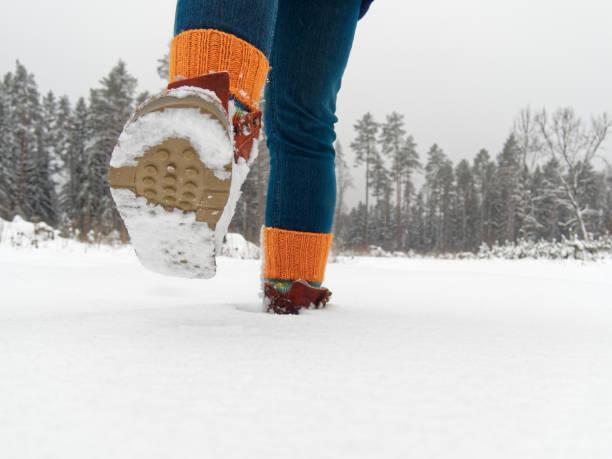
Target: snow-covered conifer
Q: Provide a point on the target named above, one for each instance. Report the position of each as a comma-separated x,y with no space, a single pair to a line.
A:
110,105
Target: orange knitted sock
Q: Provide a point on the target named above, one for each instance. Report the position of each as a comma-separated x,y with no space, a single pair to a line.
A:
292,255
199,52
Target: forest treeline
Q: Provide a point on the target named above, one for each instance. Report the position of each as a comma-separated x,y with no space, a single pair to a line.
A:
549,181
544,184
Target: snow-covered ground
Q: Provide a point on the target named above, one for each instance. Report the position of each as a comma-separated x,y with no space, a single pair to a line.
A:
413,359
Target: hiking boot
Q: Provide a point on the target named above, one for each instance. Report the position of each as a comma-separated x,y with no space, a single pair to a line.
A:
176,174
300,295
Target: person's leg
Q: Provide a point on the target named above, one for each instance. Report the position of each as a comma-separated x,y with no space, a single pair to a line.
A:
310,51
225,35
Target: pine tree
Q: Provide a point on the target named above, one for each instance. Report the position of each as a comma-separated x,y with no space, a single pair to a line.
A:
485,181
448,197
439,192
366,152
401,151
392,139
110,106
24,144
412,164
7,164
382,189
510,191
418,240
353,232
73,196
44,203
466,208
62,139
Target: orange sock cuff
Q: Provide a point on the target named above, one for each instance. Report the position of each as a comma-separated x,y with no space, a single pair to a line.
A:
199,52
295,254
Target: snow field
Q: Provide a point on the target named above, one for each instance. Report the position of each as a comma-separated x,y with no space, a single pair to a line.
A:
414,358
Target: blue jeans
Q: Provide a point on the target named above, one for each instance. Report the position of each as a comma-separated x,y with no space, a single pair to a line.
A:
308,45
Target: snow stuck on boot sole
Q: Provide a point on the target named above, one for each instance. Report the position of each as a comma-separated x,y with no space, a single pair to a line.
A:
171,178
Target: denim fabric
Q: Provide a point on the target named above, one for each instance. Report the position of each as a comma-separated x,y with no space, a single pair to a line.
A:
251,20
308,54
365,6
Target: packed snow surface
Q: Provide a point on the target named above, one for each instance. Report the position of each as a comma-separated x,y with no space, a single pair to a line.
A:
100,358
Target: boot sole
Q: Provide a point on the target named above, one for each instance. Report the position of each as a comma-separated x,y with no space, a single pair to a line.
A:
171,201
172,175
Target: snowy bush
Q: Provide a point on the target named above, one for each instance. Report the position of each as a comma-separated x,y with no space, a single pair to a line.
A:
573,249
371,251
236,246
23,234
565,249
20,233
376,251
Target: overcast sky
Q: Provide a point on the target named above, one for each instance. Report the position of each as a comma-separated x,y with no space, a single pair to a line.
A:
458,70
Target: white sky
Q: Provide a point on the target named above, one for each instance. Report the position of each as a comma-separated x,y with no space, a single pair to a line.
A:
458,70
